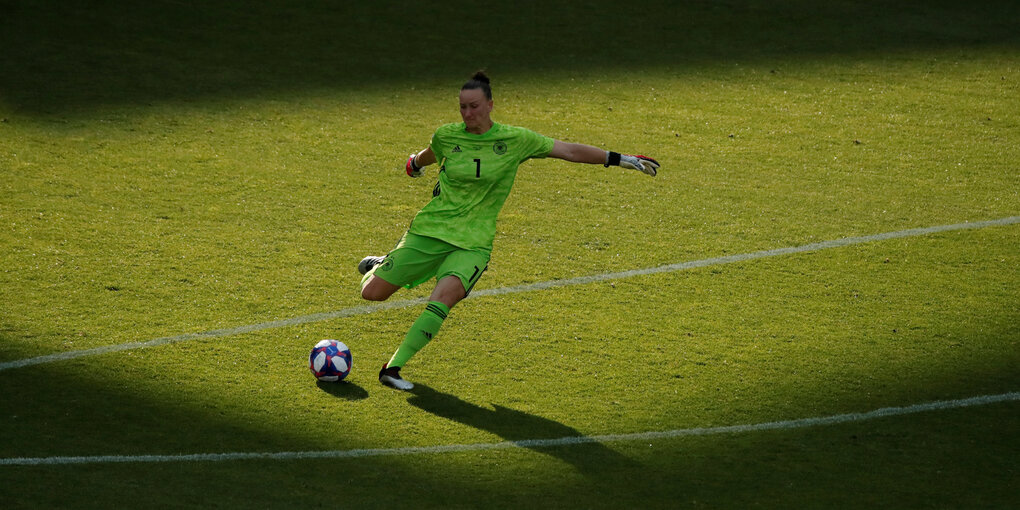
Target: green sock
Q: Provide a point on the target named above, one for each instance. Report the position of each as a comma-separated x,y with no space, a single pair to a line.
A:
421,333
364,279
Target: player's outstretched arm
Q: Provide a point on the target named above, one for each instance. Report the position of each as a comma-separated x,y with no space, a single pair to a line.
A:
581,153
416,163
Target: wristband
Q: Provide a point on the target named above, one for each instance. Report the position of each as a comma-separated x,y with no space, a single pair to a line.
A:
414,164
612,159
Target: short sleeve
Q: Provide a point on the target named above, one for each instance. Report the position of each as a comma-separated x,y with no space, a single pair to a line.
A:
545,146
436,145
538,146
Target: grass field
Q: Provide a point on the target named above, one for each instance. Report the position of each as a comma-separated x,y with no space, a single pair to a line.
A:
168,169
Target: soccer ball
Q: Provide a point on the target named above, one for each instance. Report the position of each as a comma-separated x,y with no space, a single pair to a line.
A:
330,360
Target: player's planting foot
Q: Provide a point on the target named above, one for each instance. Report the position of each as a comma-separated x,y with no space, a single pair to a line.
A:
391,377
368,263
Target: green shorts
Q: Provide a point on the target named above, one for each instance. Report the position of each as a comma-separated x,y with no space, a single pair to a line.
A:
417,259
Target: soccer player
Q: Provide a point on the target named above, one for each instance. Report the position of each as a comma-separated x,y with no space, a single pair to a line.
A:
450,239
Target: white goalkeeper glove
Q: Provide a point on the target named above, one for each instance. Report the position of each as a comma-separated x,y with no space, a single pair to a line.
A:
642,164
412,168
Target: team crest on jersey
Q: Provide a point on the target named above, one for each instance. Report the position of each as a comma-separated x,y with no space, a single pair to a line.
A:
499,147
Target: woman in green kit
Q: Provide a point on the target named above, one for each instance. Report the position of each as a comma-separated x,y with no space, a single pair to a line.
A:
450,239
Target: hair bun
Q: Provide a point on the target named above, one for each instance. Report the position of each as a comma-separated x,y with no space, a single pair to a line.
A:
479,81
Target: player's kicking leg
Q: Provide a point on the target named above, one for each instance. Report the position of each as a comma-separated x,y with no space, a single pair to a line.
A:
369,262
374,288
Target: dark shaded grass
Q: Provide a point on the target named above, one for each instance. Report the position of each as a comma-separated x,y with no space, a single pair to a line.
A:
917,461
67,56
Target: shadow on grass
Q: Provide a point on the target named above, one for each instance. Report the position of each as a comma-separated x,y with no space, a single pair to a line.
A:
960,458
343,389
518,426
61,57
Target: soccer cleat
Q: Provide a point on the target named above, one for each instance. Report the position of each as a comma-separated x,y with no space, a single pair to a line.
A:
368,263
391,377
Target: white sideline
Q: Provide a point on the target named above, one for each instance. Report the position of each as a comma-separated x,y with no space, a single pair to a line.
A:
525,443
581,280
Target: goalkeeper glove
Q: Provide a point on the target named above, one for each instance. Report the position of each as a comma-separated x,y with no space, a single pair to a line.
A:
640,163
412,168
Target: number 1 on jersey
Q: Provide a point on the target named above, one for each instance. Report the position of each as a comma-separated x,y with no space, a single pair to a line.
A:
478,168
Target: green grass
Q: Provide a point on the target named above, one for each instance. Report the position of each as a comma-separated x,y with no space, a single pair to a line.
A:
169,170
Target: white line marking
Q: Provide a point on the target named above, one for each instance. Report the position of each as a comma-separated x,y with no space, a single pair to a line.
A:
525,443
581,280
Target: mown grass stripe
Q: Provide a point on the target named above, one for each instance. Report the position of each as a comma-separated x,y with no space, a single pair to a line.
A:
581,280
525,443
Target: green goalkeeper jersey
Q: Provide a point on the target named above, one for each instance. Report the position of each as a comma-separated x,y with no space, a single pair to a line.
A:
476,173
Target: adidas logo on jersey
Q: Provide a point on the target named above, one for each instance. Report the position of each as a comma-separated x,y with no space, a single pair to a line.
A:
457,149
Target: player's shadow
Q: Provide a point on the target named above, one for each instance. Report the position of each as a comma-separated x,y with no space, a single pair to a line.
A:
527,430
343,389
